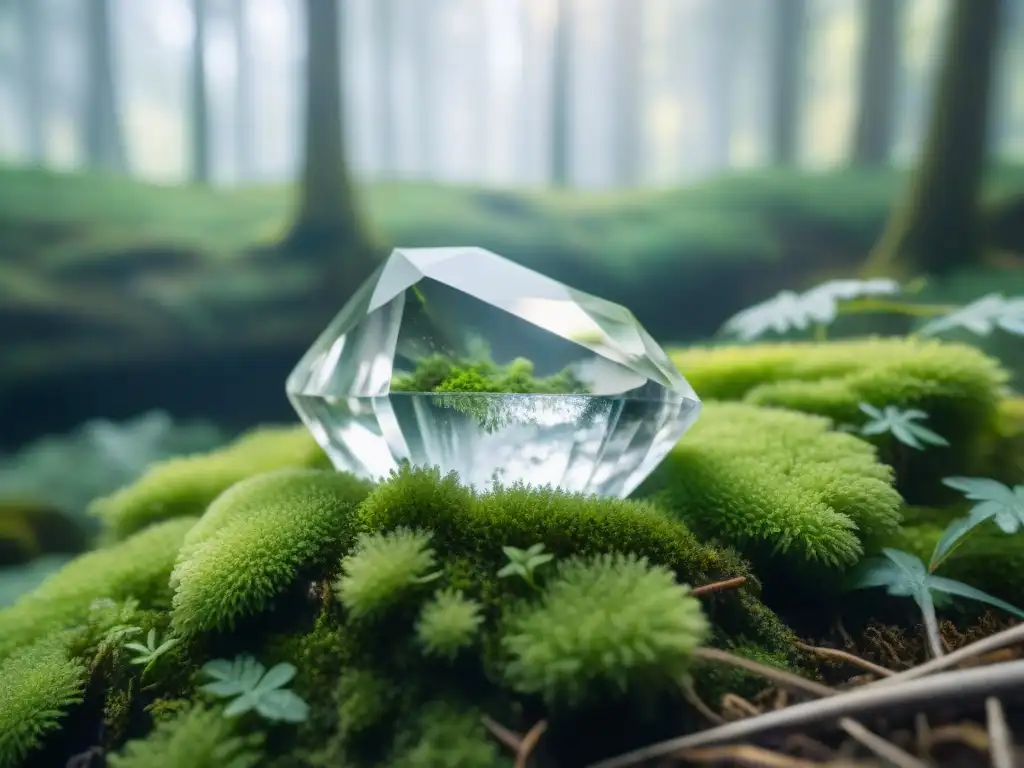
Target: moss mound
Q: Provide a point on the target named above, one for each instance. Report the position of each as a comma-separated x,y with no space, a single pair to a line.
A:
780,486
956,385
185,486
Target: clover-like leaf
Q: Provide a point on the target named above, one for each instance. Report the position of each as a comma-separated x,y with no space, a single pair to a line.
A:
523,562
982,316
148,654
255,688
901,424
996,502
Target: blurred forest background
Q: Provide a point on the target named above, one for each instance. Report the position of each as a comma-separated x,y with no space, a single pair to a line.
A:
189,189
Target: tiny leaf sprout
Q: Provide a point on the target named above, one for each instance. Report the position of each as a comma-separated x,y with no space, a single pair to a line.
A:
147,655
523,562
901,424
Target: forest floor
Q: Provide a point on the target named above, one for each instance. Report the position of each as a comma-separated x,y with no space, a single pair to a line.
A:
164,290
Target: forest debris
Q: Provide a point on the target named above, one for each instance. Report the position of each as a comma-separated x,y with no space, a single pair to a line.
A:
718,586
780,677
882,747
849,658
744,755
529,743
1000,741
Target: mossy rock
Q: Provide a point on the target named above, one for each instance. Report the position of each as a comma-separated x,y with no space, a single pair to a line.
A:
958,386
801,501
1004,452
28,531
183,487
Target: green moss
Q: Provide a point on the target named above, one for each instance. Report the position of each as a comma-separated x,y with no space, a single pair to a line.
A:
198,737
713,681
38,685
185,486
447,736
471,530
439,373
956,385
777,485
604,627
138,567
268,532
448,624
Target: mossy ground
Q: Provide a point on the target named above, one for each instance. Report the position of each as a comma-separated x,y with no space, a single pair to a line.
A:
405,625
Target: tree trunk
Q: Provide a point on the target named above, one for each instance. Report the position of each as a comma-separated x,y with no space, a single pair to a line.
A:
876,90
199,114
33,81
721,54
788,54
245,118
383,26
627,154
561,107
936,227
104,144
427,89
327,219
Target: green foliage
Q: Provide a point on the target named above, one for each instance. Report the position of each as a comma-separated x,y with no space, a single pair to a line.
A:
611,623
138,567
523,562
903,575
777,485
999,503
28,530
185,486
479,526
382,568
365,699
38,685
446,736
251,686
257,543
901,424
197,737
448,623
149,653
958,386
439,373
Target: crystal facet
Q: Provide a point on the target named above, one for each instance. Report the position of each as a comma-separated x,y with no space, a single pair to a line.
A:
459,358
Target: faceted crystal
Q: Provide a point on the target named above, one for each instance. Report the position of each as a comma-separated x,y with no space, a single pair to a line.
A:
459,358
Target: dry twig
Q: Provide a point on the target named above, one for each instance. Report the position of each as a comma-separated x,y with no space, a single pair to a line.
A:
849,658
883,748
529,743
718,586
510,739
961,685
780,677
744,755
999,739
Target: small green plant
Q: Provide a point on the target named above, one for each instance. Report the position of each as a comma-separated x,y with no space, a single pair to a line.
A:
523,562
997,502
982,316
382,567
448,623
151,651
901,424
252,687
904,575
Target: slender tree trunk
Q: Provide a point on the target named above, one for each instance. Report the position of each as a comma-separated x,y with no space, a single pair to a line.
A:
876,89
199,114
33,82
722,56
245,118
789,47
527,97
936,227
104,144
383,25
561,106
427,88
327,218
627,154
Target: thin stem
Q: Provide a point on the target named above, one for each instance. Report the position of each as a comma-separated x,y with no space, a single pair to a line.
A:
960,686
931,623
881,747
781,678
855,306
717,586
529,743
820,332
849,658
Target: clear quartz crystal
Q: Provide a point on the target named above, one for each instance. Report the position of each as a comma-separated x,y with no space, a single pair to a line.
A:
459,358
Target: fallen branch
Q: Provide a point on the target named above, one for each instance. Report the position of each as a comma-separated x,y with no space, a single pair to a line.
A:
960,685
529,743
848,657
718,586
778,676
883,748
